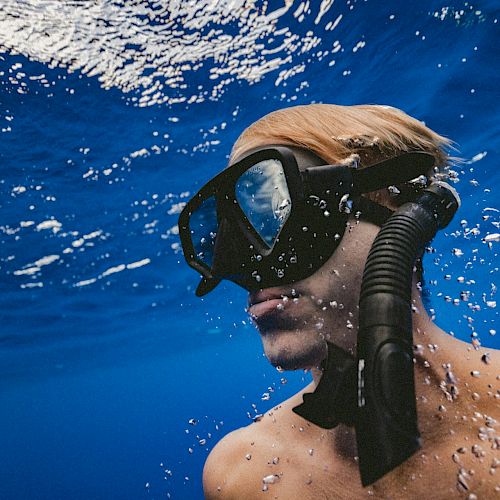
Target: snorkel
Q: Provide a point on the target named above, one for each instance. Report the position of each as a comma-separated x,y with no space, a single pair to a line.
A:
376,392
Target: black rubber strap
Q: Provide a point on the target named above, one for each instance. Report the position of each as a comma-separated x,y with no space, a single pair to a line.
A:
371,211
397,170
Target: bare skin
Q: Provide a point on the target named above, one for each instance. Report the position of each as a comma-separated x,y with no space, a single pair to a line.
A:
458,458
457,399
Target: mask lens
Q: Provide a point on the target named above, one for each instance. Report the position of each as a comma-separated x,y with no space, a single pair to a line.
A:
263,195
203,225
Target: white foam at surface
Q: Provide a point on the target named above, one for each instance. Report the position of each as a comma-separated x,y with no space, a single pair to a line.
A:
140,152
86,282
49,224
93,234
78,243
37,284
139,263
336,23
323,9
156,51
176,208
31,269
113,270
27,271
45,261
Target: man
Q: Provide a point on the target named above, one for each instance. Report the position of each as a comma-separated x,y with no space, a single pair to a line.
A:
314,312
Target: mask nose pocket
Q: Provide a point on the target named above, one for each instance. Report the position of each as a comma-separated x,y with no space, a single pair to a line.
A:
226,258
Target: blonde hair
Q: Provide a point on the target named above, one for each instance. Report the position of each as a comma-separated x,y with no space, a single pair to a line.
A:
341,134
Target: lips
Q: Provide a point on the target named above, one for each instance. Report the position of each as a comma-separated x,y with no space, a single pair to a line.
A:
264,296
266,302
261,309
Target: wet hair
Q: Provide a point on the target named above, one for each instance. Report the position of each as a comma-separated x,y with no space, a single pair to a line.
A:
364,134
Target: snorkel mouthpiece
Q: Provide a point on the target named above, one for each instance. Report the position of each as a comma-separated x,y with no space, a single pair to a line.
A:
384,410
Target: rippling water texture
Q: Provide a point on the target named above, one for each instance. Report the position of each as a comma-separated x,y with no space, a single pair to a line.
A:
115,381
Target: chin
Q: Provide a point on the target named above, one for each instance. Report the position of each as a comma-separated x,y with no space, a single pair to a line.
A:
297,350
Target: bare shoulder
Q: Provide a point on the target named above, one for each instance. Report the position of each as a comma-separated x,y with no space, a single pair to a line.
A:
238,464
231,468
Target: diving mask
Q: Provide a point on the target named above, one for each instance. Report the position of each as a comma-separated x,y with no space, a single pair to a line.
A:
265,222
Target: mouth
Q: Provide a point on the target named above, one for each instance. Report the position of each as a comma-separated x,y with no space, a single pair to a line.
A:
265,308
267,302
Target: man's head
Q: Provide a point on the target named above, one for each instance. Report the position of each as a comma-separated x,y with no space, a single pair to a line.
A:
295,320
276,221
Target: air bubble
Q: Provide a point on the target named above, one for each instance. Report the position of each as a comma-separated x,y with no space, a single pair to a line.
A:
345,204
421,180
271,479
418,349
450,377
492,237
256,276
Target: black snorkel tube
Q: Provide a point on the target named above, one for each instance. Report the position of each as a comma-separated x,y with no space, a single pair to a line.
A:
376,392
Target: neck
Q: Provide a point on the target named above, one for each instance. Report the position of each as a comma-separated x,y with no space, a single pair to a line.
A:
422,327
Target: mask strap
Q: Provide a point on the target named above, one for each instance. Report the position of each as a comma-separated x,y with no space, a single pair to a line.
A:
396,170
371,211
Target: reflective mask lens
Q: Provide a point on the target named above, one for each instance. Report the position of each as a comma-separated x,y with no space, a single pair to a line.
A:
263,196
203,225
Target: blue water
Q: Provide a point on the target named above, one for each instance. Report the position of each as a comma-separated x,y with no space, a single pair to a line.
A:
105,352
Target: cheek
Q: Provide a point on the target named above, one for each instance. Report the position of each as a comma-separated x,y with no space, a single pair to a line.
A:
323,286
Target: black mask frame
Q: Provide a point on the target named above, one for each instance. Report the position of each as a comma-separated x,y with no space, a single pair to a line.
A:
314,227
